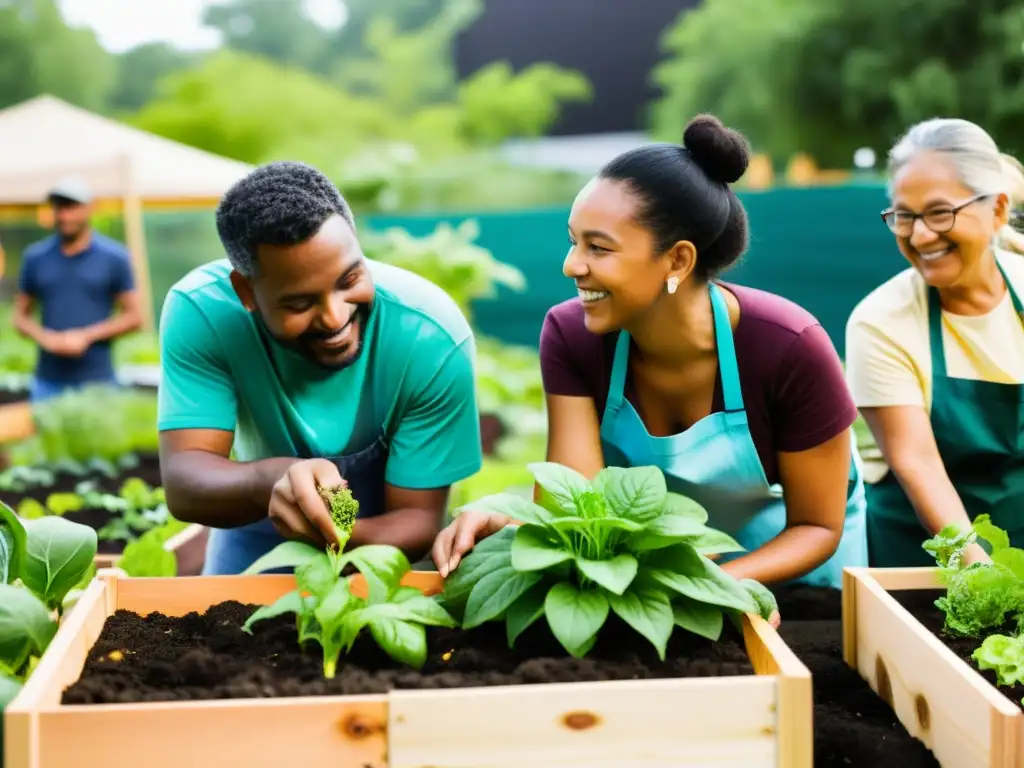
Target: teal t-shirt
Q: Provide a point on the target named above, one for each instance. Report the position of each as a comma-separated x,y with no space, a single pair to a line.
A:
412,384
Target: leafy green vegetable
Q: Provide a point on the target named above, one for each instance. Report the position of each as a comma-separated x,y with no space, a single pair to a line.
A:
12,544
57,553
622,544
1003,655
979,596
983,596
329,612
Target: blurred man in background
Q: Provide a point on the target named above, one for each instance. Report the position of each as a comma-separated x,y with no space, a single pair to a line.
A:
77,277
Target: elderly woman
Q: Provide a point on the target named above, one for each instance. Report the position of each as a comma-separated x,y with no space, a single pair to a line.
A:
935,356
737,395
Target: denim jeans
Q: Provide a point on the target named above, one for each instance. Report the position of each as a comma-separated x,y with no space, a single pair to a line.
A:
44,389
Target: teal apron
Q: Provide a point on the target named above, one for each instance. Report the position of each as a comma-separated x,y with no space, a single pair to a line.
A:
979,428
230,551
715,462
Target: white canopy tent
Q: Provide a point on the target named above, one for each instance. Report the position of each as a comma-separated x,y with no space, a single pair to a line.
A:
46,139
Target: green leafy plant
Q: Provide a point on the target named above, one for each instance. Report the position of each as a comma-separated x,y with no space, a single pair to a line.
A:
41,561
621,544
329,612
979,596
982,598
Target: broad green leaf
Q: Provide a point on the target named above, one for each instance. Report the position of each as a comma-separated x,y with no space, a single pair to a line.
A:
488,555
614,574
677,505
290,603
494,593
709,589
424,609
763,597
987,530
25,626
575,615
382,565
635,493
535,548
666,530
57,553
1011,558
288,554
317,575
403,641
525,611
516,507
332,609
146,557
648,611
405,593
561,486
714,542
699,618
12,545
681,569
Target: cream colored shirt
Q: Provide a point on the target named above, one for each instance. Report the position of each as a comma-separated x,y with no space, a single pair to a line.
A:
888,355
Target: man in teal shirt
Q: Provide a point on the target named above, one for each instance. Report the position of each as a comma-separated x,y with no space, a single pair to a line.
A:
318,366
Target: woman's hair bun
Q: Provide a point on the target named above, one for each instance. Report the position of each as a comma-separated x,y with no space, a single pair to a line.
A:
721,152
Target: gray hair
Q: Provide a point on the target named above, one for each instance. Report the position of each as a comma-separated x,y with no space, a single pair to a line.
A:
974,155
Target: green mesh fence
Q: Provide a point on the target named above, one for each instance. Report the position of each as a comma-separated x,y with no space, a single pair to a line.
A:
823,248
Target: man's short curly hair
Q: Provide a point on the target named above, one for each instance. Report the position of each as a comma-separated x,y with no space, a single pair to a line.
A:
281,203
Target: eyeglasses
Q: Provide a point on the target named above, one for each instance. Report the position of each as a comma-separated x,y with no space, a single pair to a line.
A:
938,220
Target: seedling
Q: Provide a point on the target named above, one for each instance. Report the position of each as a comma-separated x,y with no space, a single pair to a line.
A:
325,607
621,544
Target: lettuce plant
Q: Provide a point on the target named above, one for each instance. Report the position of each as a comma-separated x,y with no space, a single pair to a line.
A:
982,595
327,610
621,544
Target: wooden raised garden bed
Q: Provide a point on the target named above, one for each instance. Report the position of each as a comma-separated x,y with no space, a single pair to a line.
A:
749,720
941,699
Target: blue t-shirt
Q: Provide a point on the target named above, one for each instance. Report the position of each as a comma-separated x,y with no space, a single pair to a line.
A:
75,292
413,383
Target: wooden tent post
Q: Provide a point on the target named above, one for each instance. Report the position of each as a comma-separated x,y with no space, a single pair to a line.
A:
135,234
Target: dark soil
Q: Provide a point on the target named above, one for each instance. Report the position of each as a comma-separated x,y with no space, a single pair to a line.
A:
921,604
853,727
8,396
209,657
148,469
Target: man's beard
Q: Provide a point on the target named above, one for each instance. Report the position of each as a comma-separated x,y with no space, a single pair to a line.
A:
302,344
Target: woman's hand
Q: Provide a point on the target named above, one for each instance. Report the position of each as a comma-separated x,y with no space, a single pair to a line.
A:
775,619
462,535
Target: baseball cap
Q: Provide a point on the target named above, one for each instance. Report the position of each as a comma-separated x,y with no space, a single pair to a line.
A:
73,189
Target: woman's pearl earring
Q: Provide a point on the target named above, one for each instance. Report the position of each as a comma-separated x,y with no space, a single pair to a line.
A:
672,283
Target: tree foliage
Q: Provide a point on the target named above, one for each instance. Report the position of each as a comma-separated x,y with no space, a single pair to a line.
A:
827,78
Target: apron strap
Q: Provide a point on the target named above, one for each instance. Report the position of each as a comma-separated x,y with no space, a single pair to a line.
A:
732,393
620,364
935,321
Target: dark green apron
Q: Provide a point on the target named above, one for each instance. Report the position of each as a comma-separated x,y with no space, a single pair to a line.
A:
979,428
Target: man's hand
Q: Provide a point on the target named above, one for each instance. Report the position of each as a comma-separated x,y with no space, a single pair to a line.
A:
73,343
296,509
463,533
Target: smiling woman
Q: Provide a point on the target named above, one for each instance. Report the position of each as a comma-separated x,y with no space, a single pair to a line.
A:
935,356
735,394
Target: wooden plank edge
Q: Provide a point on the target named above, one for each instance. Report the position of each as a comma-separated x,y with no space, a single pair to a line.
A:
794,696
849,615
898,579
16,422
867,583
